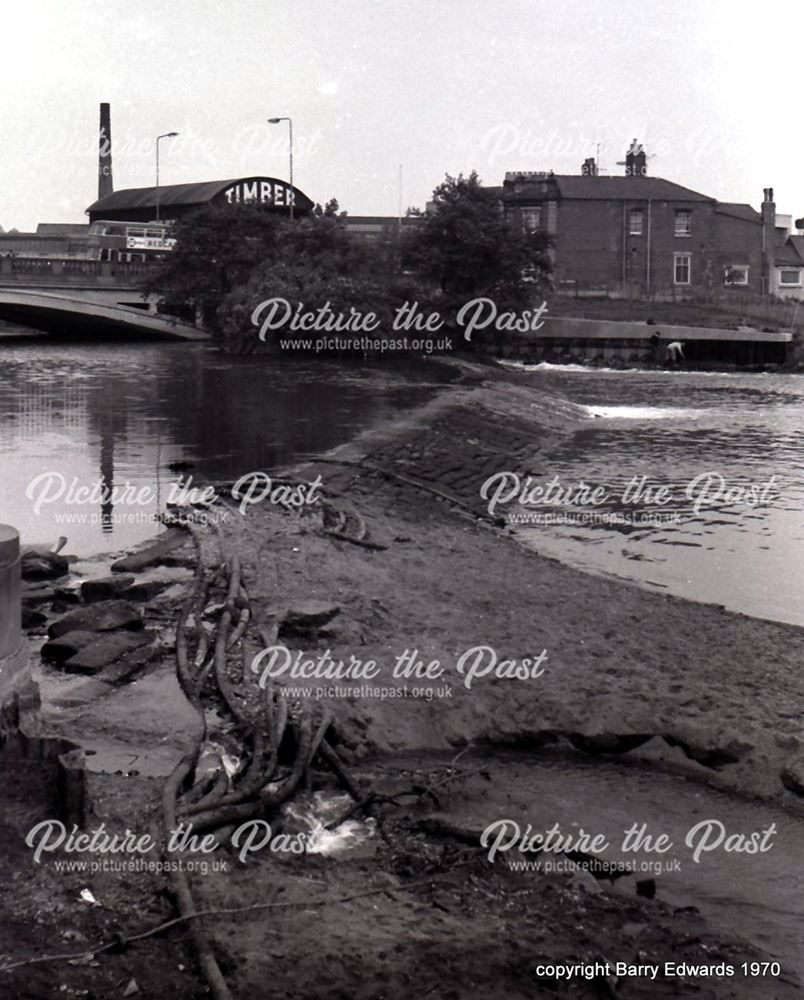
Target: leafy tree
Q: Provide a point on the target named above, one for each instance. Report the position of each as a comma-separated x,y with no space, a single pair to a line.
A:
331,209
217,248
466,246
313,263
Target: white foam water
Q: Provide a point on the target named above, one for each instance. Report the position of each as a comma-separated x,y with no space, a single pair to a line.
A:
546,366
642,412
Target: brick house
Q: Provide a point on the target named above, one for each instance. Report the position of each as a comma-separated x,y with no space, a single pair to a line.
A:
787,260
637,236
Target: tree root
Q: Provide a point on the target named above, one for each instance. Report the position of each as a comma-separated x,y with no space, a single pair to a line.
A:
181,886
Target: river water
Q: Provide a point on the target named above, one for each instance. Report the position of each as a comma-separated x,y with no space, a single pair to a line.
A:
728,450
758,896
96,414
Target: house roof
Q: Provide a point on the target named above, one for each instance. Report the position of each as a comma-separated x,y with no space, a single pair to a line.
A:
581,186
738,210
62,228
790,253
798,243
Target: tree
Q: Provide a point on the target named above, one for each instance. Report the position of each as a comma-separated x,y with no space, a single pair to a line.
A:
465,245
313,264
332,209
217,248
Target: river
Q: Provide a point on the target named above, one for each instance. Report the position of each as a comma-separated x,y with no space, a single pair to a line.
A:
702,437
84,414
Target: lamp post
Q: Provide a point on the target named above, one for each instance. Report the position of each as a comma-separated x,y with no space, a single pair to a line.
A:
165,135
276,121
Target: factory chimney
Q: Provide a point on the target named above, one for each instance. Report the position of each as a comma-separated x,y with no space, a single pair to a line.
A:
105,184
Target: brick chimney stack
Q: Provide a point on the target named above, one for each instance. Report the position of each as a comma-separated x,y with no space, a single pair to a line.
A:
105,183
636,162
768,214
589,168
768,208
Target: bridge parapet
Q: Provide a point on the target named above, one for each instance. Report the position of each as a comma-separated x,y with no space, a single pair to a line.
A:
61,272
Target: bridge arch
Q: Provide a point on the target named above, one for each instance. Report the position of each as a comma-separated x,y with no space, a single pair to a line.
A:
59,313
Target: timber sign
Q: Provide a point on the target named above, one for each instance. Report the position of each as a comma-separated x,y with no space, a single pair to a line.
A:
266,191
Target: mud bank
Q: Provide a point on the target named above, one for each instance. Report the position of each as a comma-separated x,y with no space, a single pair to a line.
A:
715,693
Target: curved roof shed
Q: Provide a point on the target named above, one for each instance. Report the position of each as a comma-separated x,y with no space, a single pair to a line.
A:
175,200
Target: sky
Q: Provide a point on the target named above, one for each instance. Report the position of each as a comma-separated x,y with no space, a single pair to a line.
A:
712,88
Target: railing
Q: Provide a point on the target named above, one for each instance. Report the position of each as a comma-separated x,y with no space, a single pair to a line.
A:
82,267
28,271
22,265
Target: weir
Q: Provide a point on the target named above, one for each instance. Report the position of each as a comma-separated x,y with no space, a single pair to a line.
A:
565,338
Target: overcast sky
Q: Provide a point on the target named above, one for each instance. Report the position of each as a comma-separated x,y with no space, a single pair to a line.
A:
714,88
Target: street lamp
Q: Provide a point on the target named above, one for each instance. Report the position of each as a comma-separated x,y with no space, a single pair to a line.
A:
165,135
276,121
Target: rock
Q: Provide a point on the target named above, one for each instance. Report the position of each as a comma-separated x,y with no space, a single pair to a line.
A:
153,555
129,665
32,619
145,591
106,588
67,645
38,565
99,618
792,777
105,650
307,615
67,595
37,593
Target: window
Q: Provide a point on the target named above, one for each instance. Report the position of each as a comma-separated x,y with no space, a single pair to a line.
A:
789,276
635,221
683,223
681,268
736,274
531,219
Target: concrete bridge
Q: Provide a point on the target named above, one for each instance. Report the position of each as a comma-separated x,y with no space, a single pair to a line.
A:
76,310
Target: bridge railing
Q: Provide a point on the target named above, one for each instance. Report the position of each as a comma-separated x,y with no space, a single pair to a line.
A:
29,271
